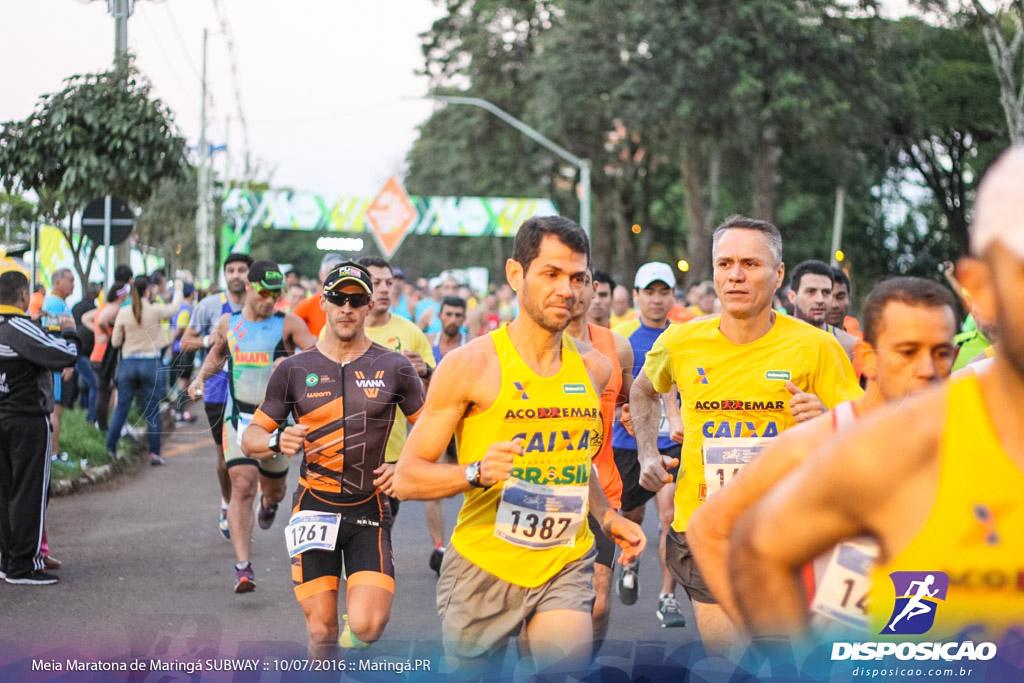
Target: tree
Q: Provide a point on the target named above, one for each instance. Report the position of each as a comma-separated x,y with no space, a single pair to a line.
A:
102,134
167,220
480,48
1005,59
1003,29
946,125
17,214
733,85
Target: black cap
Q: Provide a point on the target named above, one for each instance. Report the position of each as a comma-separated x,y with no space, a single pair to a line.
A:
347,272
266,274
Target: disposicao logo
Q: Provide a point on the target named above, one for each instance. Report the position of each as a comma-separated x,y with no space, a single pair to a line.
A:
917,599
918,596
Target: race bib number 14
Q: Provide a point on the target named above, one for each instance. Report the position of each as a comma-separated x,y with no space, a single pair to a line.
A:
843,582
725,458
538,516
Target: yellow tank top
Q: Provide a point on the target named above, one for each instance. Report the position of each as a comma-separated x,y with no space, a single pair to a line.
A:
526,530
975,534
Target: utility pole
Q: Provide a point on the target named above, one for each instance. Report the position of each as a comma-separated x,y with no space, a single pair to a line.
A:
837,223
227,152
121,10
204,240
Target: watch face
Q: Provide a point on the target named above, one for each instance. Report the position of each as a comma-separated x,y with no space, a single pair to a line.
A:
471,473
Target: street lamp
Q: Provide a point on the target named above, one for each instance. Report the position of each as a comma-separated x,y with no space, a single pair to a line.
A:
582,164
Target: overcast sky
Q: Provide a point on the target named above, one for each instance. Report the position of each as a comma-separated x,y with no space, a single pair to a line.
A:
321,82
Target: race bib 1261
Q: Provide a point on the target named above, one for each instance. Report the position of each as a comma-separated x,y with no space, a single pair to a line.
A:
310,530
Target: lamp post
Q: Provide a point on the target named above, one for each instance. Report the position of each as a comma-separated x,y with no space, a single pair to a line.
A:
533,134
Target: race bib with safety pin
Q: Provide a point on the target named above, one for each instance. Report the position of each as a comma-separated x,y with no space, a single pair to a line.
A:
244,420
843,583
726,457
310,530
539,516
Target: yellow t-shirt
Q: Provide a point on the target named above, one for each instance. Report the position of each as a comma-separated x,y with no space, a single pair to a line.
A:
527,529
616,320
973,541
399,334
732,390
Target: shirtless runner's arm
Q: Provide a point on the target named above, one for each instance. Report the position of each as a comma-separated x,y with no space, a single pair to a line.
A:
841,491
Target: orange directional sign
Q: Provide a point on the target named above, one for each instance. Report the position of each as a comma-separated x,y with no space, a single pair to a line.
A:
391,215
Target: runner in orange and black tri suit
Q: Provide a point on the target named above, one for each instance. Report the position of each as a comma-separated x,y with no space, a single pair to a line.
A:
344,396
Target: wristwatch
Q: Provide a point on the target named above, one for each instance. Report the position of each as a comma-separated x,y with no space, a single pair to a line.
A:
473,475
273,444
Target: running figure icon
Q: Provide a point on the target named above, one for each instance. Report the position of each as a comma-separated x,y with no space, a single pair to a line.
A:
916,605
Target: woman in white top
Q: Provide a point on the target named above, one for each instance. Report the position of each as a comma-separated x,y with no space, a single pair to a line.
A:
141,337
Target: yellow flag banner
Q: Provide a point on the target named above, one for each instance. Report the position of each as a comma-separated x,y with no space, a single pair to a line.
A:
54,253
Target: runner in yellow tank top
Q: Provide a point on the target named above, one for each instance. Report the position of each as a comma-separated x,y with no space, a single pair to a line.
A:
939,484
909,324
523,404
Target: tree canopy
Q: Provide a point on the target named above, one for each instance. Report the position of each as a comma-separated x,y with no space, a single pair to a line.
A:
101,134
691,111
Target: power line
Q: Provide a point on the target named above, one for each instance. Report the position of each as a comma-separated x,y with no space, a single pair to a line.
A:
181,41
163,52
233,57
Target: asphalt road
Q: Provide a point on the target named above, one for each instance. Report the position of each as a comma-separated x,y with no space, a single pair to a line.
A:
146,574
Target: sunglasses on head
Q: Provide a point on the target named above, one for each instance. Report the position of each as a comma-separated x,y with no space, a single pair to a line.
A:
267,293
355,300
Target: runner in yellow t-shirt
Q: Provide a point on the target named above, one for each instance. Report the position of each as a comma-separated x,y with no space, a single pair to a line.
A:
745,375
395,334
938,484
909,324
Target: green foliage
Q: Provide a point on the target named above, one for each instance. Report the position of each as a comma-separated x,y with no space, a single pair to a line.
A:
81,441
102,134
693,111
17,213
167,221
946,126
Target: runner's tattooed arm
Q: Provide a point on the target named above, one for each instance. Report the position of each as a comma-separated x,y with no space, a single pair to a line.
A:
645,412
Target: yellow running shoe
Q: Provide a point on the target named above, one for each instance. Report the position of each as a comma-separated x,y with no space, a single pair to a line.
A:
347,639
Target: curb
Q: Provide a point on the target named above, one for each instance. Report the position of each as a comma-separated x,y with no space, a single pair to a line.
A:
127,462
91,476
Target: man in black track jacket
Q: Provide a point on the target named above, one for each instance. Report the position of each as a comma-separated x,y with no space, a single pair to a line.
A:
28,358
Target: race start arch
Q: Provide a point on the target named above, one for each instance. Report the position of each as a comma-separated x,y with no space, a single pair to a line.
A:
389,217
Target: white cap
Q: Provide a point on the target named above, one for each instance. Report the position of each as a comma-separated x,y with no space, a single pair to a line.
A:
435,282
655,271
999,208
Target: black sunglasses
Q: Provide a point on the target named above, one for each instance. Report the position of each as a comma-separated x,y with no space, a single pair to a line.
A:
354,300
